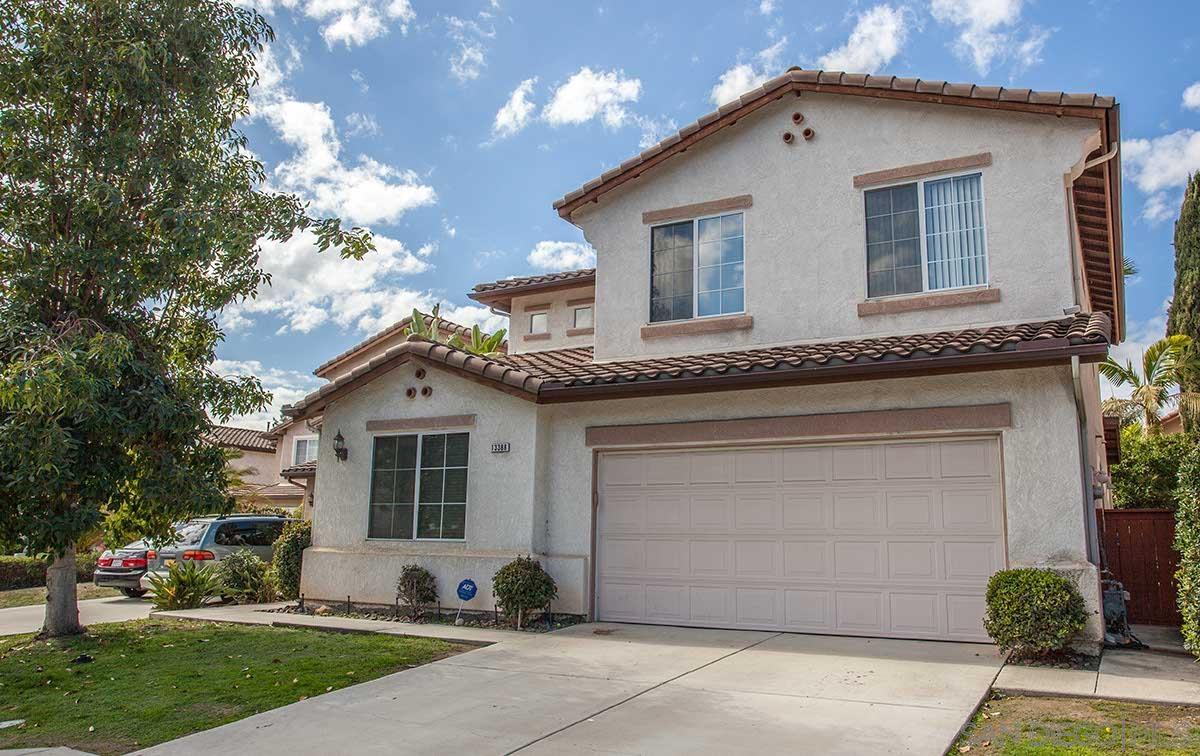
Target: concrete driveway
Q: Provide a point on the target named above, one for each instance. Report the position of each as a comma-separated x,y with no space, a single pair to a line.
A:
639,689
28,619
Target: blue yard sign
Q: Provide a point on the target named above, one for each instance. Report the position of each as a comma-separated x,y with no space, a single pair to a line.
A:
467,589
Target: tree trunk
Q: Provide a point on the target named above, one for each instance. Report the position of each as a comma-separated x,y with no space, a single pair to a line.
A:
62,608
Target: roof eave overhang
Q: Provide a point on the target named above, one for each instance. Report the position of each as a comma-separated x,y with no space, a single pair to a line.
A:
903,368
501,300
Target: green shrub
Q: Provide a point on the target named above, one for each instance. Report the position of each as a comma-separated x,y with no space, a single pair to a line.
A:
1187,543
287,557
186,585
245,578
1033,611
1147,474
522,585
30,572
415,588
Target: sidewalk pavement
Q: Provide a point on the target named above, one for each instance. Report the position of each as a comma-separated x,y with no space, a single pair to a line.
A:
259,614
1161,675
28,619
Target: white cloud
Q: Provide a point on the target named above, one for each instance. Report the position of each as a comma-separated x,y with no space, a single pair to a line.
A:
363,192
878,35
286,387
359,78
350,22
1191,97
362,124
1160,168
449,228
516,113
654,130
990,31
747,75
470,54
559,255
589,94
766,7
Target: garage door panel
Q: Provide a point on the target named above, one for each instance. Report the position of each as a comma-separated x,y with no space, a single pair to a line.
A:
892,539
912,509
623,469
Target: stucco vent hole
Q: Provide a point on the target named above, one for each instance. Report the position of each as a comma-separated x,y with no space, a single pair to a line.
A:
797,117
427,391
410,392
420,374
808,134
788,138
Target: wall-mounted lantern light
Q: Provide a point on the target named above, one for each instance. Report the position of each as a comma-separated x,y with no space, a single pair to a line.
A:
339,447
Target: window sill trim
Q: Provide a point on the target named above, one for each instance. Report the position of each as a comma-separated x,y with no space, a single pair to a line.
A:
580,331
927,301
697,326
542,336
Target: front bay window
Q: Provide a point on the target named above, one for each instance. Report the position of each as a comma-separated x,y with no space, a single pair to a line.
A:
419,486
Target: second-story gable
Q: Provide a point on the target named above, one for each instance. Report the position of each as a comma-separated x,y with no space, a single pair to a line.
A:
825,216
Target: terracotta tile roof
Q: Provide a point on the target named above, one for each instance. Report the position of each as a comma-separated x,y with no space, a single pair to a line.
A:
838,82
572,375
500,293
449,328
245,439
302,470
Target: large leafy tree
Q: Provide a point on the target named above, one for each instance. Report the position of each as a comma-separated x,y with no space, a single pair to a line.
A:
130,215
1156,386
1184,317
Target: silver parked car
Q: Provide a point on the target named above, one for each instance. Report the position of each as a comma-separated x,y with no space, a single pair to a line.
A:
207,540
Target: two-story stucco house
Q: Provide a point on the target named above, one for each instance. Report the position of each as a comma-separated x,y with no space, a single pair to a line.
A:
834,368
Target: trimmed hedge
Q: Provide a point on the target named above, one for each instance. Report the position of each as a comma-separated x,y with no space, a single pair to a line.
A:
30,572
1033,611
522,586
1147,474
287,557
1187,543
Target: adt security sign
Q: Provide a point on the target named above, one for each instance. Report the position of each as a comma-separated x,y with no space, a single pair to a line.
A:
467,589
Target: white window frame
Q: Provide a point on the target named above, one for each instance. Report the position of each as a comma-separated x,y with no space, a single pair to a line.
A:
295,445
417,484
696,267
545,314
920,182
575,316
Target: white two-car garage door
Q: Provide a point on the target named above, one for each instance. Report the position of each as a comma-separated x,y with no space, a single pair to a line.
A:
893,539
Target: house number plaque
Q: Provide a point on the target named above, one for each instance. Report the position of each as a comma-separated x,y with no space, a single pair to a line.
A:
502,447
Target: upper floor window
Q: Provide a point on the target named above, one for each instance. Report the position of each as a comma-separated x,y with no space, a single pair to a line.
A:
539,322
304,450
583,317
926,236
419,486
697,268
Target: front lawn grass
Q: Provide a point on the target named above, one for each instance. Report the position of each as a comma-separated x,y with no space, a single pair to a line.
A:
33,596
1045,726
154,680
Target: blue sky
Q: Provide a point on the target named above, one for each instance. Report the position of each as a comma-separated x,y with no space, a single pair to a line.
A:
449,128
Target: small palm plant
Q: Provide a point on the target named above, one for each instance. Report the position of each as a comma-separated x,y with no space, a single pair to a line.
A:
480,343
427,329
1165,364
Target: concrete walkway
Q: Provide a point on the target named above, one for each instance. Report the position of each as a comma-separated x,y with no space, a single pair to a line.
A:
28,619
640,689
1165,675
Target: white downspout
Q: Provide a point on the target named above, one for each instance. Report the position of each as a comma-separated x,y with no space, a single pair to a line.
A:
1085,468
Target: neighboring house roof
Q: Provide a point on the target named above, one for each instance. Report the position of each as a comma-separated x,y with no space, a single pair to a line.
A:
1171,423
563,375
499,294
302,470
1096,192
273,491
245,439
448,328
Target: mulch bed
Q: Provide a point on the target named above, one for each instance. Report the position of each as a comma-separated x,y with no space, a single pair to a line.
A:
1059,660
445,616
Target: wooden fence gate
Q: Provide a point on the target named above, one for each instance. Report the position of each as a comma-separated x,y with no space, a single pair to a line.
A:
1139,551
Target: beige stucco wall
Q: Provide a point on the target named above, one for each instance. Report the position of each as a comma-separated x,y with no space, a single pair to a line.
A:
805,234
285,449
561,319
538,497
256,468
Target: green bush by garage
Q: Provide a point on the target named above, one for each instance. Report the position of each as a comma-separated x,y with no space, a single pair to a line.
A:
1033,612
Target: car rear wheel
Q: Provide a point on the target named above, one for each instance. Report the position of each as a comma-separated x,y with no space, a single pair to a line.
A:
134,592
